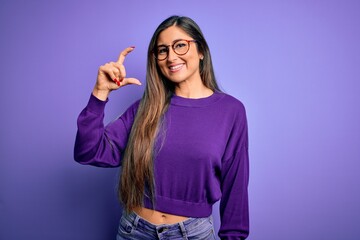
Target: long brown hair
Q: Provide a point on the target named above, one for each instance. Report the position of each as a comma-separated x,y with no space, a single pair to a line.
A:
137,178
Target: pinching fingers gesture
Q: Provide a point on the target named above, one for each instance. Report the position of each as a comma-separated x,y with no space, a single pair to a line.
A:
112,76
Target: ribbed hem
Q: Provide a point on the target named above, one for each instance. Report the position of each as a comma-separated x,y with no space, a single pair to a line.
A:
96,105
178,207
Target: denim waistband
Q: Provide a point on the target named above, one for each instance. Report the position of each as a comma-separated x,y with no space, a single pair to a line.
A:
131,223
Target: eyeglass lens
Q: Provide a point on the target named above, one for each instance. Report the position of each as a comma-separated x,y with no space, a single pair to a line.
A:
180,47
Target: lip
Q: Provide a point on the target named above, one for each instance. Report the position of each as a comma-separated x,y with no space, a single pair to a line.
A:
175,67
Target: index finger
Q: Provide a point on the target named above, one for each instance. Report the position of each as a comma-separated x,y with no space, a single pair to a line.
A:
124,53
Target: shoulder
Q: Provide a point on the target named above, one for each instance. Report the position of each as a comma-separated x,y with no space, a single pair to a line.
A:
231,104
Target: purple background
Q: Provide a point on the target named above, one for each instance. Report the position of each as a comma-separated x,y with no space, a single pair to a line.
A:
294,64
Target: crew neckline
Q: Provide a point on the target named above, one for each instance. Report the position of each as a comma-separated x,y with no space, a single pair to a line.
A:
196,102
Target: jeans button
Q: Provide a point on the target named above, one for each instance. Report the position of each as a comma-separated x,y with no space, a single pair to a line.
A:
161,230
128,228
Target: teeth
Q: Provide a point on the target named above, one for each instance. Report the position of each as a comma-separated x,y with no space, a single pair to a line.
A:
176,67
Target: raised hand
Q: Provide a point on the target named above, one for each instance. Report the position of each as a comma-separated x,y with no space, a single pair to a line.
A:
112,76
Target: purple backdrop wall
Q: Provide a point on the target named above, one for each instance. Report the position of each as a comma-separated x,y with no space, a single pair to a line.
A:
294,64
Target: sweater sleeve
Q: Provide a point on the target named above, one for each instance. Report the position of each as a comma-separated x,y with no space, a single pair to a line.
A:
234,210
96,144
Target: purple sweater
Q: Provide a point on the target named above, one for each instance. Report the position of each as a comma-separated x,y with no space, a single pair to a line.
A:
204,157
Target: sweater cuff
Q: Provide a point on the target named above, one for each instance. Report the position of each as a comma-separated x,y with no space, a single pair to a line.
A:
96,105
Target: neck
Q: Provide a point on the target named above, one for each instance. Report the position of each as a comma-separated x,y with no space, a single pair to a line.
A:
196,89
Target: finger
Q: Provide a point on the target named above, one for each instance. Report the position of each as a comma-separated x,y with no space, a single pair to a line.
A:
122,71
116,65
113,71
112,76
123,54
131,81
109,69
117,69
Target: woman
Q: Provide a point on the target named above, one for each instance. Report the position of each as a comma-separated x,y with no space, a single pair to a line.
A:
182,147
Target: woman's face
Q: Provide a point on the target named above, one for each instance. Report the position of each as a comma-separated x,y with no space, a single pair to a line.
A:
179,68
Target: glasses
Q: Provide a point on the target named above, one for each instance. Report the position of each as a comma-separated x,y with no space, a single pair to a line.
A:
180,47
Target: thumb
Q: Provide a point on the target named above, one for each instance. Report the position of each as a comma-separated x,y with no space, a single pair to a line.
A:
132,81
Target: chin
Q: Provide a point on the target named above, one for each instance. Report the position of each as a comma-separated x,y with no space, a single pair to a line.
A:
175,79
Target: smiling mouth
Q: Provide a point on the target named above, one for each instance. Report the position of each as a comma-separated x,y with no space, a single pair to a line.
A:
176,68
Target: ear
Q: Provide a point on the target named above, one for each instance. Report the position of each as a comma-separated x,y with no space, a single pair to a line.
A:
201,57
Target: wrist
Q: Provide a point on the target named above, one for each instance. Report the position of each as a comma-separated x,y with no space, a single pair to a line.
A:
101,94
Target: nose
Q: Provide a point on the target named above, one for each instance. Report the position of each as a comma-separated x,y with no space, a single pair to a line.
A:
171,55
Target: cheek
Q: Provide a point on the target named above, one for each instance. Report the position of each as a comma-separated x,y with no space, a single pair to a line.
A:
194,58
195,62
162,68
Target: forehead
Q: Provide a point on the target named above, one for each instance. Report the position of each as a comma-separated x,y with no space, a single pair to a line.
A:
171,34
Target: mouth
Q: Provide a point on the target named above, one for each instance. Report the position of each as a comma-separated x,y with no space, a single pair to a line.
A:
176,68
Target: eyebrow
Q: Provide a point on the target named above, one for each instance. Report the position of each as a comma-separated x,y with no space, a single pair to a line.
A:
161,45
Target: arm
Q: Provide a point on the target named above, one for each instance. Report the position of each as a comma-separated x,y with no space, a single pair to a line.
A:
95,144
234,210
98,145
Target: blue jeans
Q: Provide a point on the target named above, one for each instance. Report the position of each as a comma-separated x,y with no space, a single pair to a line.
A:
133,227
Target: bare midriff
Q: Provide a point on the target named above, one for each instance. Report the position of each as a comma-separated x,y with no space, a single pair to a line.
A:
156,217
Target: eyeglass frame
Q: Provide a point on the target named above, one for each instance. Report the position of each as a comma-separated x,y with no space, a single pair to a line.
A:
172,46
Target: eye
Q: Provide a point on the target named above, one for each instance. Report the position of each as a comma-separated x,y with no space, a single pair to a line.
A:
162,50
180,45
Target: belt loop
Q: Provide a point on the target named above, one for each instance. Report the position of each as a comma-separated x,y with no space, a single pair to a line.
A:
183,230
136,221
